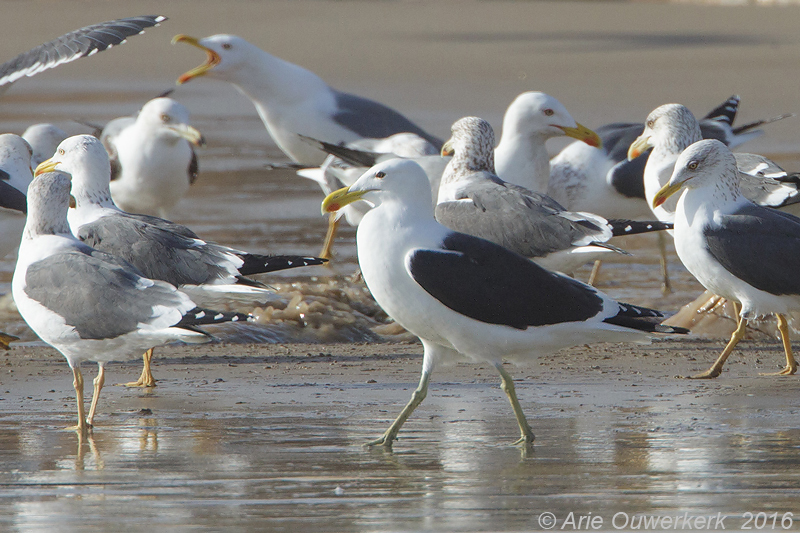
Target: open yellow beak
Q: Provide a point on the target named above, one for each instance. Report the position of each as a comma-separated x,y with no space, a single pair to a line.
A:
582,133
447,149
212,60
665,192
338,199
45,166
639,146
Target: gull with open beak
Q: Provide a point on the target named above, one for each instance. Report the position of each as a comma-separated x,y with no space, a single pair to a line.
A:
293,101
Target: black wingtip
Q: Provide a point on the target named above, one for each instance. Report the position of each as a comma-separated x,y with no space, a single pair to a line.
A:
361,158
661,328
621,227
726,111
203,317
261,264
750,125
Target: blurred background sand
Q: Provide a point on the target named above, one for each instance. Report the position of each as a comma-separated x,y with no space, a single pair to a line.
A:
438,61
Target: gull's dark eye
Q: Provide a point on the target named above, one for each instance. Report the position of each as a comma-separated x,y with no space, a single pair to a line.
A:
227,46
380,174
549,112
165,118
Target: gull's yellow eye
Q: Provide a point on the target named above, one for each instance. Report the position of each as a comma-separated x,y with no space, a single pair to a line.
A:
61,151
380,174
692,165
650,123
549,112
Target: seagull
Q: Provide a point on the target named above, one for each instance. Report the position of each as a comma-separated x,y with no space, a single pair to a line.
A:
669,130
467,298
153,161
15,175
293,101
607,183
160,249
44,138
474,200
735,248
89,305
531,119
74,45
345,164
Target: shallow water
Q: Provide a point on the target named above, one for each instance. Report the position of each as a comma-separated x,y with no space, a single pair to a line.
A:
288,465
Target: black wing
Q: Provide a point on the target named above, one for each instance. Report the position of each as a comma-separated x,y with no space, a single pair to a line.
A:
74,45
11,197
486,282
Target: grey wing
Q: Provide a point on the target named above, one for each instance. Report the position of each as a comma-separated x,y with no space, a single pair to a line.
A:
99,298
765,183
74,45
759,246
371,119
512,220
758,166
161,223
156,251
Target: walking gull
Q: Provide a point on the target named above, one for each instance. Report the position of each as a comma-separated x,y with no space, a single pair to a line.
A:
89,305
160,249
293,101
467,298
669,130
734,247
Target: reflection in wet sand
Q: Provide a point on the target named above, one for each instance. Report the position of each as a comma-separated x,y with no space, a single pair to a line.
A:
304,466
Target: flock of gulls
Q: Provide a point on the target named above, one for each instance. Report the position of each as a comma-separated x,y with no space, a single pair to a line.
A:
467,243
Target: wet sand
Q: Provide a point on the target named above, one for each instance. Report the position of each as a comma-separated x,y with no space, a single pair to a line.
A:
245,437
270,437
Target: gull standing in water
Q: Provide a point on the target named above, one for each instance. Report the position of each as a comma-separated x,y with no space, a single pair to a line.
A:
467,298
89,305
